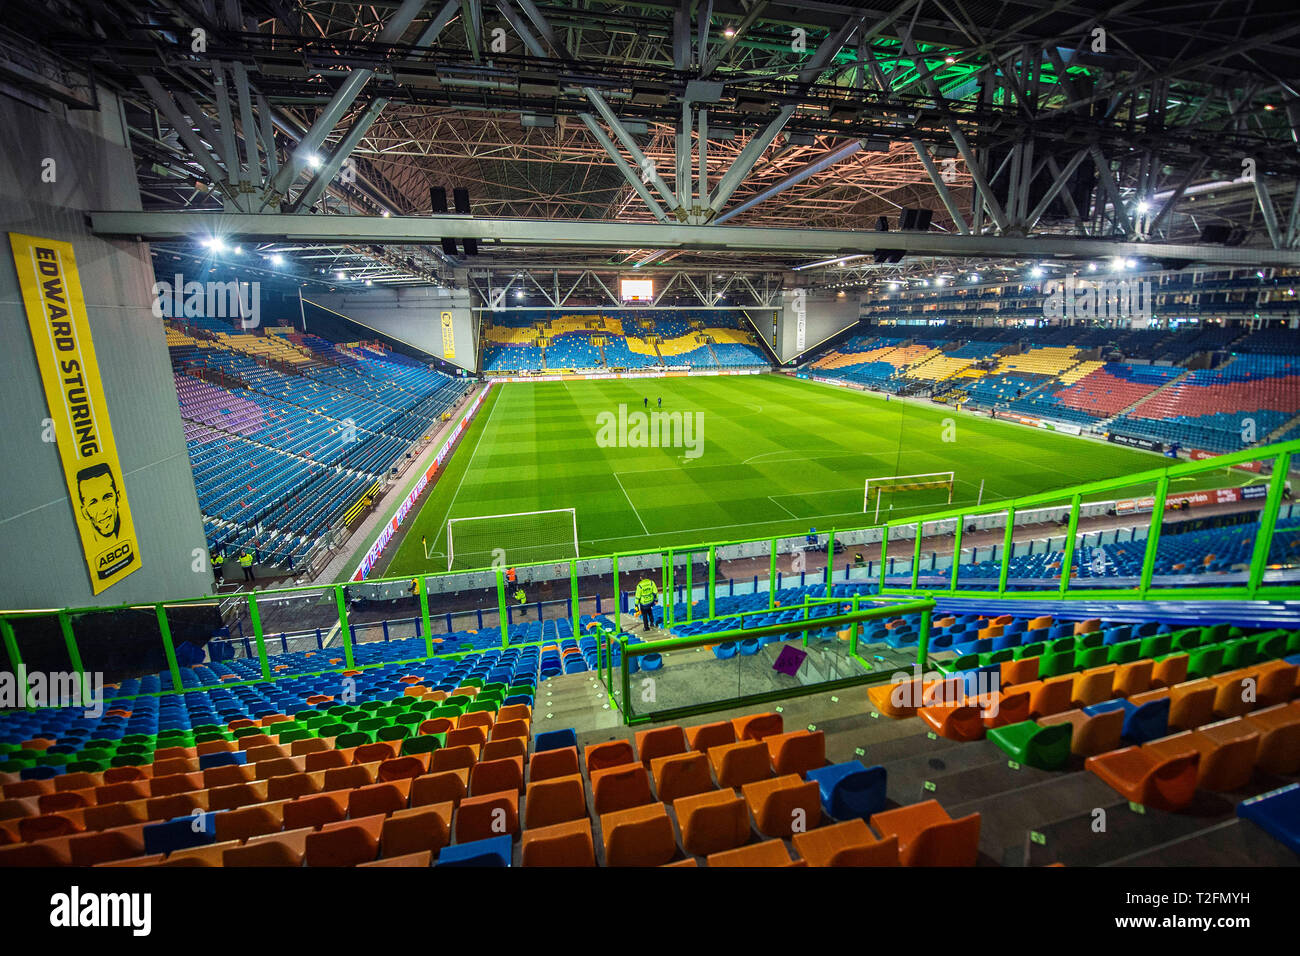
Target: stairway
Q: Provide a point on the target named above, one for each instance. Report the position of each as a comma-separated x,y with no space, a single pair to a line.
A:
712,354
1273,435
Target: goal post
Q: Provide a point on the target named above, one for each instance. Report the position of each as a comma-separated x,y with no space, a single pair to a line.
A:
522,538
877,488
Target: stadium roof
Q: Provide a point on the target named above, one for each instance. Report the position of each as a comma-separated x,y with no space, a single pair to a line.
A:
1132,122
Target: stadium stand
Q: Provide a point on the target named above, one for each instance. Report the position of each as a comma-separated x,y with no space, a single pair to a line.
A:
556,340
414,768
1024,371
1206,409
1103,391
285,433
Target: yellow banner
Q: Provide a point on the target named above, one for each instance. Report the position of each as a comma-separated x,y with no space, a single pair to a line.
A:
56,313
448,337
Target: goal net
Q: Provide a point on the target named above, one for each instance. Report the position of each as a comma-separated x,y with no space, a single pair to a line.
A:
922,490
528,536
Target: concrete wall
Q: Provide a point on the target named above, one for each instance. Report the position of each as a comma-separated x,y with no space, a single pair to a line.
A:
41,563
412,316
823,316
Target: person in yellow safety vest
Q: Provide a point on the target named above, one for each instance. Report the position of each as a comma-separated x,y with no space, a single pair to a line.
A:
646,596
246,562
218,560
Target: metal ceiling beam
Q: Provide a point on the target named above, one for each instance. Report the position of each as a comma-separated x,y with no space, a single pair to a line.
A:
184,129
647,166
406,230
628,173
959,140
320,182
757,145
338,106
945,196
718,55
794,179
1270,212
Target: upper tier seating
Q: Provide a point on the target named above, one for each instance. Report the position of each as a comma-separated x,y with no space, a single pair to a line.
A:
1207,409
289,453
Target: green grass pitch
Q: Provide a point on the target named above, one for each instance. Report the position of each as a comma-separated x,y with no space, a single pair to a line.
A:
778,455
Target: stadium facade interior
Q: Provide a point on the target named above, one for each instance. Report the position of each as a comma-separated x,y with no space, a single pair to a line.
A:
935,369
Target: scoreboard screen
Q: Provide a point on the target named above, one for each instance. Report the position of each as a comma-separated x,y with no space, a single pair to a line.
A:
636,290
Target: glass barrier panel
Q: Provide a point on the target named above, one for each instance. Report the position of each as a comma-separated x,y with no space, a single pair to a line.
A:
687,677
42,648
743,570
690,597
300,630
858,565
900,549
814,559
125,646
465,609
632,569
888,644
384,614
798,569
1283,566
1209,527
715,675
1111,538
937,540
980,562
1038,546
203,652
6,668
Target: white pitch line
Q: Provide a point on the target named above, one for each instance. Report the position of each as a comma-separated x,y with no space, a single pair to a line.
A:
630,505
469,464
781,506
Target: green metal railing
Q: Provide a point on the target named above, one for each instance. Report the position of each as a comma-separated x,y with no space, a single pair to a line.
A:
80,630
1160,480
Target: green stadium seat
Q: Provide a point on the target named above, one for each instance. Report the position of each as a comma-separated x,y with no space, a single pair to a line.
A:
1045,747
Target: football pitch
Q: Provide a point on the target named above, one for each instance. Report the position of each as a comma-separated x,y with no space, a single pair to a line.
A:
753,456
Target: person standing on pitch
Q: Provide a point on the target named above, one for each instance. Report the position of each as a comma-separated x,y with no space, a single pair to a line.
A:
646,400
661,401
646,596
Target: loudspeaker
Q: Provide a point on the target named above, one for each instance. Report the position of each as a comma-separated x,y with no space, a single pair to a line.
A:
882,224
889,255
471,246
1216,234
449,246
917,219
438,196
461,197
